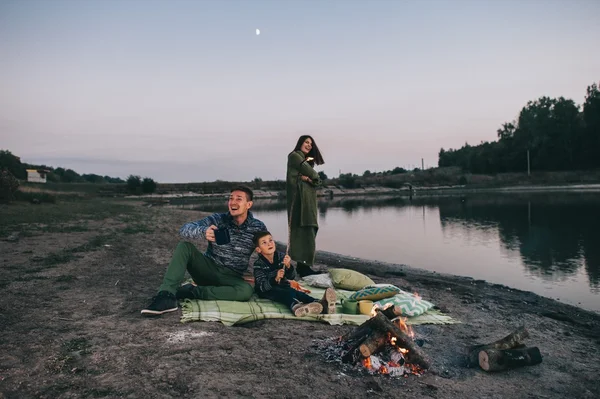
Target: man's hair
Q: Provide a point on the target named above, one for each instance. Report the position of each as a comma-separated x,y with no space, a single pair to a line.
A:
245,189
258,235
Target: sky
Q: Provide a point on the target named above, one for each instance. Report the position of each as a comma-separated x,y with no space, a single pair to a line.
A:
186,91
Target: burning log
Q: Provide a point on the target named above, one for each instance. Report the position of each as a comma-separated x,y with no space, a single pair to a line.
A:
373,343
368,338
391,312
499,359
511,341
414,354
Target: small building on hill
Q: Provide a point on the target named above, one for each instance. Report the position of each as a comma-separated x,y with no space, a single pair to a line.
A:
36,175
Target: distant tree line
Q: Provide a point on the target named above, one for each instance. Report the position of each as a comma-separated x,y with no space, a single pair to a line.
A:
13,164
558,136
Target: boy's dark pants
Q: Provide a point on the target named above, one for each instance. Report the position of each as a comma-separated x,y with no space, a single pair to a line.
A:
214,281
287,295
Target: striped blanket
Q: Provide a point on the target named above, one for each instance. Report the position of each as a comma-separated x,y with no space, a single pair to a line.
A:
232,312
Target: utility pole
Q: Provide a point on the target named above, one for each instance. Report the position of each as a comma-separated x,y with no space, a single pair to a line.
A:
528,166
422,164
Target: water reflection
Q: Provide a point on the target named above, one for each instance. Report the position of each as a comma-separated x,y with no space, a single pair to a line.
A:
555,234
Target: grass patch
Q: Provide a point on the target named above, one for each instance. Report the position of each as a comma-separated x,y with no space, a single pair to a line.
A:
57,258
136,229
67,278
20,217
93,244
35,197
69,351
30,278
76,228
75,345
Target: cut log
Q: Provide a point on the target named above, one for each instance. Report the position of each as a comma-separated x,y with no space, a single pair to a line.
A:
414,355
372,344
512,340
359,333
391,312
503,359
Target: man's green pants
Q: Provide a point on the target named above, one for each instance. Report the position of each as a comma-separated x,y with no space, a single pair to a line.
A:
214,282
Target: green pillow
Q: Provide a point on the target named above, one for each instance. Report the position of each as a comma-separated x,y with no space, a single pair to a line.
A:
347,279
375,293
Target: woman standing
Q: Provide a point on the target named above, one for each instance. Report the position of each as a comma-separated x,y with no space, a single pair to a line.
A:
301,181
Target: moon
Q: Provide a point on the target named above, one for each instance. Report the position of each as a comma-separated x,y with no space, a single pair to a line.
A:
257,32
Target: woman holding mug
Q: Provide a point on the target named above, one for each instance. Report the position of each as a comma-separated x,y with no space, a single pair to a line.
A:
301,183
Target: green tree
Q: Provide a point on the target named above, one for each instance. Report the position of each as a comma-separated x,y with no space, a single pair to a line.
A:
13,164
322,176
93,178
70,176
590,143
134,184
348,180
148,185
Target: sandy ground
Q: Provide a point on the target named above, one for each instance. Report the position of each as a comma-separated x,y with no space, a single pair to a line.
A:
71,328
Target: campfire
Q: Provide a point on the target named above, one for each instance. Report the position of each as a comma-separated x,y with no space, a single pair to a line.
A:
384,344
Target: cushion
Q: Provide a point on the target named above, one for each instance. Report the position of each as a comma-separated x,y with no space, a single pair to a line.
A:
410,304
318,280
375,293
347,279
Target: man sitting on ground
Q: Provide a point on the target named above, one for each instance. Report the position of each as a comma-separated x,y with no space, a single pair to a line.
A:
218,273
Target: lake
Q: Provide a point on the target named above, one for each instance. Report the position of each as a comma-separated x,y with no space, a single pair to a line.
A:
547,243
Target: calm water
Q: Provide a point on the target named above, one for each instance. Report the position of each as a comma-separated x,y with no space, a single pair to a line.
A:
548,243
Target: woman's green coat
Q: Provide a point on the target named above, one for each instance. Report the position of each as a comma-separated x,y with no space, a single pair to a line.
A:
301,208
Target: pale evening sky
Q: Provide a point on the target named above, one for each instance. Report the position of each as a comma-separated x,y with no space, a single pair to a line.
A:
185,91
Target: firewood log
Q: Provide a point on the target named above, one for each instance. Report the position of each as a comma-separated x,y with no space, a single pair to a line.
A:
372,344
414,355
512,340
503,359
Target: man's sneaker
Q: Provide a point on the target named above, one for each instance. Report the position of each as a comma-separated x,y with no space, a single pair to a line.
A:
328,301
163,302
304,309
186,291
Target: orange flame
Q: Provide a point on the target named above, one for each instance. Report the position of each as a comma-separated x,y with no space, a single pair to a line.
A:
367,362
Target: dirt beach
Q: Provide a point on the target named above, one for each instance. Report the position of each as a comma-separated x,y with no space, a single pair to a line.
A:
74,277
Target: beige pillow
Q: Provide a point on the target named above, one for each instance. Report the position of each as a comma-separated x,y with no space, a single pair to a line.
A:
347,279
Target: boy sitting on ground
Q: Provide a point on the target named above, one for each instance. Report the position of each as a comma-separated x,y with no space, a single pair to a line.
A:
273,272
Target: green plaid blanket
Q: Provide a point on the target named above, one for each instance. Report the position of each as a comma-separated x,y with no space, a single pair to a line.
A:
233,312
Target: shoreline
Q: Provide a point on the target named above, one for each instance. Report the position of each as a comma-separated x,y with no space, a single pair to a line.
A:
333,192
378,268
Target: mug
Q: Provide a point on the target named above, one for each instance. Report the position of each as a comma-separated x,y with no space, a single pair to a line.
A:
365,307
349,306
222,236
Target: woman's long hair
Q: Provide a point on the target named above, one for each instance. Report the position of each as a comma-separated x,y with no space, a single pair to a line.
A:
313,153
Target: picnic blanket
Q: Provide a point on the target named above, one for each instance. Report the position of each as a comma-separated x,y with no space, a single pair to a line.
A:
234,313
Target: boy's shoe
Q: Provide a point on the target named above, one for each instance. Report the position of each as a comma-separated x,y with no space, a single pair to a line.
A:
304,309
328,301
163,302
186,291
304,270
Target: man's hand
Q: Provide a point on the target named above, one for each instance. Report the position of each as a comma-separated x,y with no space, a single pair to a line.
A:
210,233
286,261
